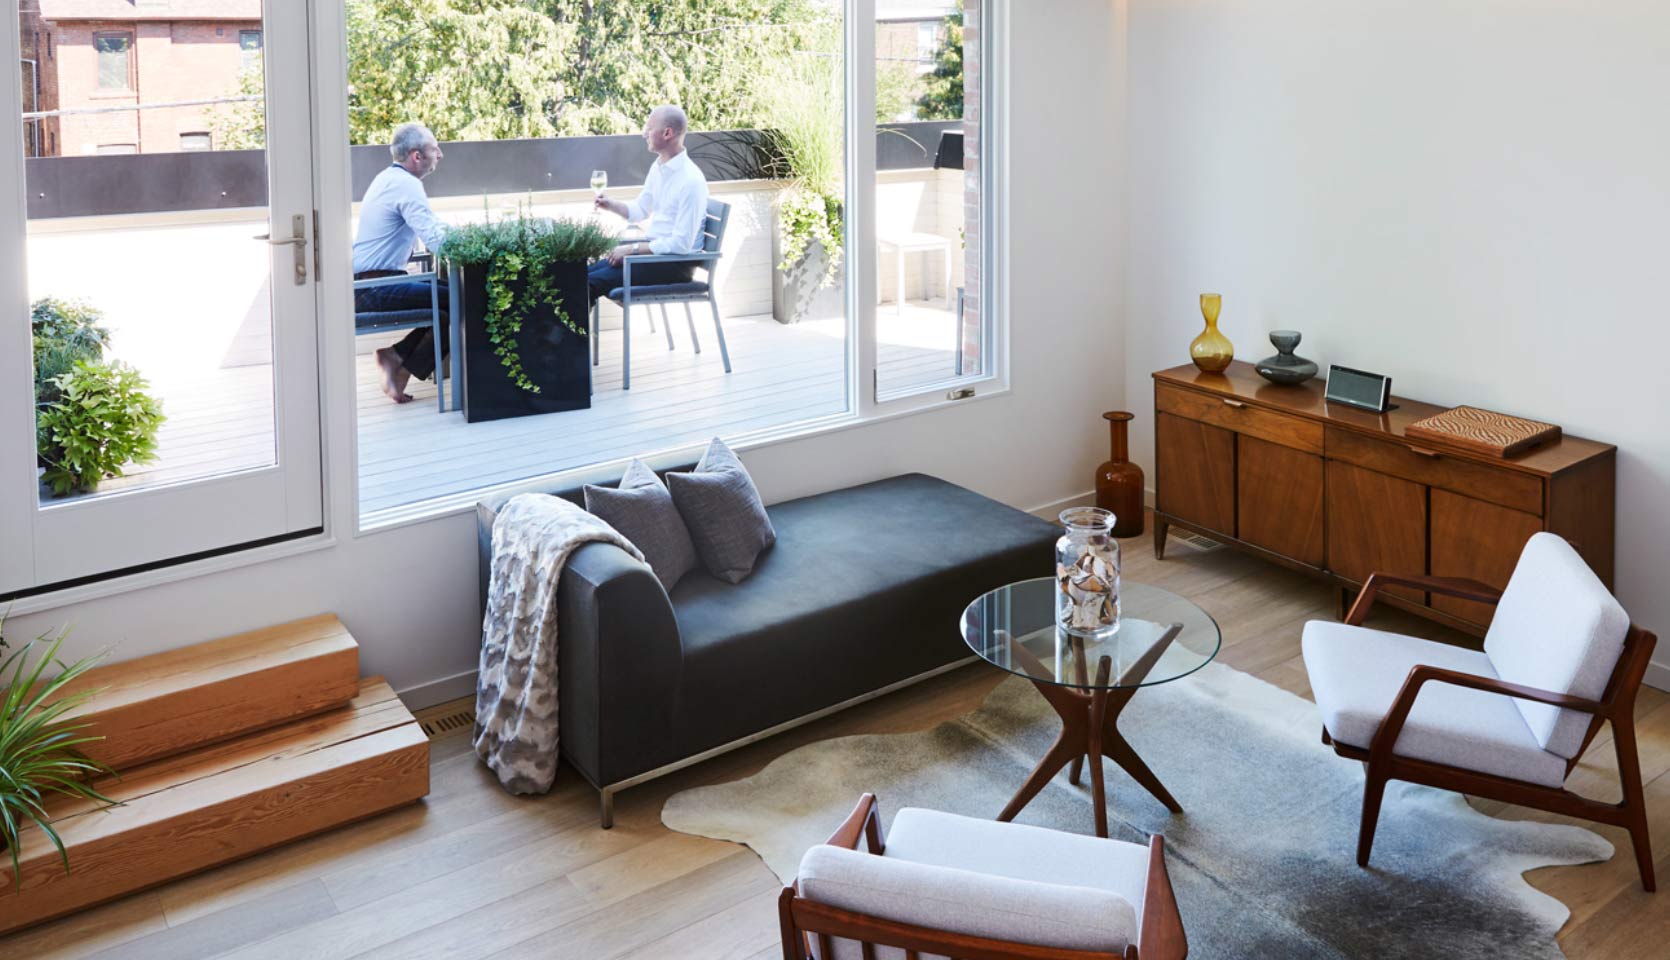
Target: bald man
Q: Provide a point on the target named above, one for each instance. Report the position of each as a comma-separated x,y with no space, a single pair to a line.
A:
673,202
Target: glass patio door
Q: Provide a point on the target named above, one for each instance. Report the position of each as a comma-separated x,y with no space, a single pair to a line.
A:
159,389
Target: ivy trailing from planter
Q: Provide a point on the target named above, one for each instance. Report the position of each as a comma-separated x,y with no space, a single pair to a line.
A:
521,250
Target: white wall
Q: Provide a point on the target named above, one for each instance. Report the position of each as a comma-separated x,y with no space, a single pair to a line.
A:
1468,195
409,594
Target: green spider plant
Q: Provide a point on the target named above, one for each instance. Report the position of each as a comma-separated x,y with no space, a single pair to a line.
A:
38,754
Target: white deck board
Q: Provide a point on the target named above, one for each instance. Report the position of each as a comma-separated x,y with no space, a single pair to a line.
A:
408,453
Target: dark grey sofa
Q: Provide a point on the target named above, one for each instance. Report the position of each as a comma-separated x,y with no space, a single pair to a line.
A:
861,592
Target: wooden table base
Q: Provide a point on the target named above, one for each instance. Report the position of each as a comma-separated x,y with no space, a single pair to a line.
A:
1089,728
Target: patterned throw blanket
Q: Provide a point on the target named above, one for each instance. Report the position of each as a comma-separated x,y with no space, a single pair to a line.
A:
516,690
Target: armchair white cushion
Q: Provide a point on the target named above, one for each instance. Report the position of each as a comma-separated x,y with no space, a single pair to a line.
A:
1003,881
1356,673
1557,629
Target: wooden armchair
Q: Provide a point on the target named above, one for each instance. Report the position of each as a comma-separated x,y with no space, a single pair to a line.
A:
950,886
1509,722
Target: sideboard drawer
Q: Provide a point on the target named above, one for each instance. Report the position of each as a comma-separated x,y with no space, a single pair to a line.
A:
1232,414
1508,488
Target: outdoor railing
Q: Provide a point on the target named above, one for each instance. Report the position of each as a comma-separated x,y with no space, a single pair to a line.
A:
231,179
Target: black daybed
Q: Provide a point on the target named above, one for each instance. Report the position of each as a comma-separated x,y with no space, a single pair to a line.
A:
860,595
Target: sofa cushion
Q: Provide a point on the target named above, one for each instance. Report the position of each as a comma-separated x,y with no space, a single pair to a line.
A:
864,588
1356,673
724,513
1557,628
642,510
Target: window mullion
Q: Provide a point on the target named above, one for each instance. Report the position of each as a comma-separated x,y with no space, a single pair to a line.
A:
861,197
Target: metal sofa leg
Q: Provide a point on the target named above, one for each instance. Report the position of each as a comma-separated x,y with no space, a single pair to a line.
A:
690,315
607,797
626,342
719,328
667,326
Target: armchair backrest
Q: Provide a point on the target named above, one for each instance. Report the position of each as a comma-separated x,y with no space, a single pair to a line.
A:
713,229
1557,628
960,902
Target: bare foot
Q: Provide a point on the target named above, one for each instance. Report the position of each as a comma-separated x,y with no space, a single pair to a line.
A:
395,376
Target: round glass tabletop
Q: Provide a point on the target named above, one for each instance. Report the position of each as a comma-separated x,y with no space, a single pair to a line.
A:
1161,637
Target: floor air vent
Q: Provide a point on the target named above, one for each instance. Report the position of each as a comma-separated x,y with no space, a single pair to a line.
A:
448,723
1195,540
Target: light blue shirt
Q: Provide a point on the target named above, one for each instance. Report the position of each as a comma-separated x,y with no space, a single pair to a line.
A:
394,215
674,202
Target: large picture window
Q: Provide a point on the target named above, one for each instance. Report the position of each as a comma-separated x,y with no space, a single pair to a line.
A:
771,108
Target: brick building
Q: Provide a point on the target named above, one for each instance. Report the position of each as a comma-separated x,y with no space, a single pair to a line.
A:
116,53
911,32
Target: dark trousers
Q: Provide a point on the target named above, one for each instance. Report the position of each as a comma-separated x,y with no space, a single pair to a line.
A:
602,278
416,349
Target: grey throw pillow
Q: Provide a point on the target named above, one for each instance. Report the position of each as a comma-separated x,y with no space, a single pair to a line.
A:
643,511
722,509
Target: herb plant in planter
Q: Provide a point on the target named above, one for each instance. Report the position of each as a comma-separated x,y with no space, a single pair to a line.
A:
38,755
525,313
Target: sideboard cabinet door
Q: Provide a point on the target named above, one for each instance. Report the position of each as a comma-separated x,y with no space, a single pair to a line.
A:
1195,463
1375,523
1279,499
1477,540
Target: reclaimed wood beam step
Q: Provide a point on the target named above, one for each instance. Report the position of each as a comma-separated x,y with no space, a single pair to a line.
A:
178,700
187,813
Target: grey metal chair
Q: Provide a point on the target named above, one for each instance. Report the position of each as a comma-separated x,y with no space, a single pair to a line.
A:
687,292
385,321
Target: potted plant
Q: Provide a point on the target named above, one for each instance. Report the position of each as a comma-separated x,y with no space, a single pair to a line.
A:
525,313
100,420
800,101
38,755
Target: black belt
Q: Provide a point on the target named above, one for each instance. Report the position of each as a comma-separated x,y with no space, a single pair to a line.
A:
378,274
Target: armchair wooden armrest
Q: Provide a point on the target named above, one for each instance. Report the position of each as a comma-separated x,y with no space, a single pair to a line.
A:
1161,935
1452,586
1385,738
865,821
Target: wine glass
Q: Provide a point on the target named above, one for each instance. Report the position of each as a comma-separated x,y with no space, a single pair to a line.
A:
599,181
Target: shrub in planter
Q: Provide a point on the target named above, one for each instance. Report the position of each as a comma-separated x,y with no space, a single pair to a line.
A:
525,313
64,333
38,755
101,421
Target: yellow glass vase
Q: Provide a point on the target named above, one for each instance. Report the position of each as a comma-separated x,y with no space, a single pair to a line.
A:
1211,351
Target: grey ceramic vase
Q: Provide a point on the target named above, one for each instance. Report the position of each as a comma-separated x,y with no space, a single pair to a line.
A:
1284,367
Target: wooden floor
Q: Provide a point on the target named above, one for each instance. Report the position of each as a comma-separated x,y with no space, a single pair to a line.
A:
475,873
222,420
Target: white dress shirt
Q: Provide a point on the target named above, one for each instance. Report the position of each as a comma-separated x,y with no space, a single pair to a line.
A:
394,215
675,203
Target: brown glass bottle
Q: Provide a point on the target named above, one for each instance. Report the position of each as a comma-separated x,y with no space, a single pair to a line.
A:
1119,481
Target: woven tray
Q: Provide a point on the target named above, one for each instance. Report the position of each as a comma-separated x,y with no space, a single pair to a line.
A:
1482,431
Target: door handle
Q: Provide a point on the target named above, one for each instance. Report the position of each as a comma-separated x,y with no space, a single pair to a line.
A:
297,240
1233,403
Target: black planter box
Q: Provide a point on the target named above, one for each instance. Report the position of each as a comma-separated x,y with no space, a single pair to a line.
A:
555,358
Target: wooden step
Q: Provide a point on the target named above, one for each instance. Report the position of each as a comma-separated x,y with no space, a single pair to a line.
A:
171,702
187,813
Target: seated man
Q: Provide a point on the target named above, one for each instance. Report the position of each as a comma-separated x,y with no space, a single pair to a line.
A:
394,215
674,201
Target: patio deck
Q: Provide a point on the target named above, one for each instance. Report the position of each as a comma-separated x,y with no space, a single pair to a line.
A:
410,453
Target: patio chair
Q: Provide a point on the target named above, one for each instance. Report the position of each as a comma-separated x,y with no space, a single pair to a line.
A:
688,292
950,886
1506,723
387,321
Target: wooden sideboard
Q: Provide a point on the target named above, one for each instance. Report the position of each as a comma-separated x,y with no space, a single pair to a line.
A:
1340,493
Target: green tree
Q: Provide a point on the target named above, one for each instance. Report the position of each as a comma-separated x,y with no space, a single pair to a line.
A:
242,125
943,99
496,69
